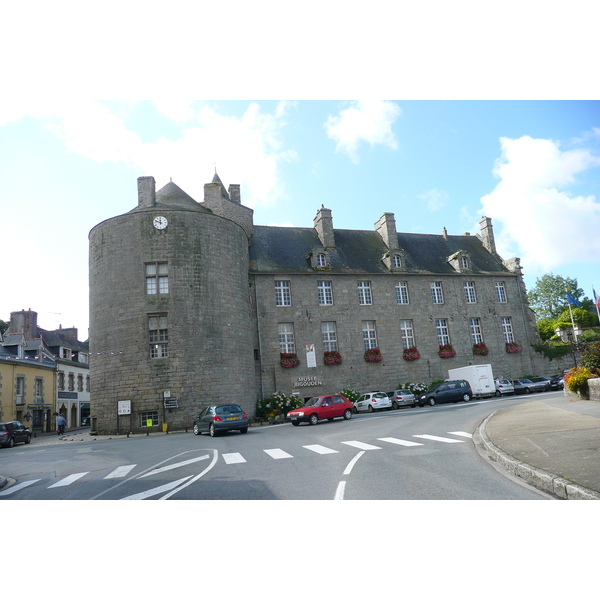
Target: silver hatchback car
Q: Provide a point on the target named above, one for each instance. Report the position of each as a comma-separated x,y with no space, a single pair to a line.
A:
221,417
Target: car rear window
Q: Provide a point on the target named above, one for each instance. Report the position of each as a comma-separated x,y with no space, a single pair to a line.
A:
380,395
227,410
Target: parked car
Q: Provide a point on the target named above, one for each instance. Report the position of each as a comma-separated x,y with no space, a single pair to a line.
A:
542,379
221,417
557,382
526,386
402,398
321,407
14,432
453,390
372,401
504,387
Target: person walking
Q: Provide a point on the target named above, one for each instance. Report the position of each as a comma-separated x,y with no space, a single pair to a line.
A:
60,423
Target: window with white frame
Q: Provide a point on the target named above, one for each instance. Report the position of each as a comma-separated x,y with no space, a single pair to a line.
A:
500,291
158,335
441,327
407,334
20,390
402,292
475,327
329,336
325,293
286,338
71,382
464,262
470,292
321,260
397,261
369,335
39,389
61,380
364,292
507,330
436,292
80,383
157,278
283,296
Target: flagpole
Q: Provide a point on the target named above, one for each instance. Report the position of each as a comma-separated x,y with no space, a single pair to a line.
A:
596,303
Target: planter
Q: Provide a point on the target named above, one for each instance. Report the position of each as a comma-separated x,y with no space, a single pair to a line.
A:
411,354
511,348
480,349
332,358
373,355
446,351
288,361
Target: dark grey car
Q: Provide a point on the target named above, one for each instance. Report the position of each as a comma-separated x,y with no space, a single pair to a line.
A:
221,417
453,390
14,432
526,386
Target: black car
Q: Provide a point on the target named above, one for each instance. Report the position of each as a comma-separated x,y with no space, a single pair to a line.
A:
14,432
453,390
557,383
221,417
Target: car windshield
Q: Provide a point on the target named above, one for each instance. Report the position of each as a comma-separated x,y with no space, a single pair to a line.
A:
228,409
314,402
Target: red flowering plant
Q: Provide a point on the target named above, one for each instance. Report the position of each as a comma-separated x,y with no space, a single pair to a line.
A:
411,354
288,360
332,358
447,351
373,355
480,349
511,347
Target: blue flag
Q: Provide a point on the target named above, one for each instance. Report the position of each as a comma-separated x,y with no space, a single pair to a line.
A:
572,300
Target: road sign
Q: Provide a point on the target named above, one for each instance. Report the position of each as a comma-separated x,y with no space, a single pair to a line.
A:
124,407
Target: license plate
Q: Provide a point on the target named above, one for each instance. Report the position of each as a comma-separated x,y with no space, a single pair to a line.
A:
231,418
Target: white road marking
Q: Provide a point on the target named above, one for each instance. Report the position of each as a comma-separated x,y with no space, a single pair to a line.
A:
175,466
278,453
194,479
400,442
361,445
461,433
436,438
157,490
351,464
339,493
233,458
68,480
320,449
120,472
19,486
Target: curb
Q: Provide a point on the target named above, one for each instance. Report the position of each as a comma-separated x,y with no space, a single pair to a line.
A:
543,480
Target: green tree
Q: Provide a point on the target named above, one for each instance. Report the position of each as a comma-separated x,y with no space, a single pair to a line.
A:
3,326
590,357
546,328
582,317
548,296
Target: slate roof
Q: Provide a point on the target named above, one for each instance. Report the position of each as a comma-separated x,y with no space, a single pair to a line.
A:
286,250
172,196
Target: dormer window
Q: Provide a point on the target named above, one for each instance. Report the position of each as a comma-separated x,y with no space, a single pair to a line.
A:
460,261
319,259
464,262
394,260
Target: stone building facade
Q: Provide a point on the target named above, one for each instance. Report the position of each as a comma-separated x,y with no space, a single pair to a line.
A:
192,303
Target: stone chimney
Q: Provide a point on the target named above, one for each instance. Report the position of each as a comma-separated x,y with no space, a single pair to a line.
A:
146,192
324,226
487,235
234,192
386,228
24,322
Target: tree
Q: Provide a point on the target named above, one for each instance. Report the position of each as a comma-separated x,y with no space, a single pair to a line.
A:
548,297
3,326
582,317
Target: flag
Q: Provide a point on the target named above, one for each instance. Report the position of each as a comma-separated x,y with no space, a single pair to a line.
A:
596,298
572,300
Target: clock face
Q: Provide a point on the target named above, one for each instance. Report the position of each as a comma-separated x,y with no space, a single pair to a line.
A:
160,222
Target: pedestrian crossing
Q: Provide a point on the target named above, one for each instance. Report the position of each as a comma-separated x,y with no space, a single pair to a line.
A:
236,458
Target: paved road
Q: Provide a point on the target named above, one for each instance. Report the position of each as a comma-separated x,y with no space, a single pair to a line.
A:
411,454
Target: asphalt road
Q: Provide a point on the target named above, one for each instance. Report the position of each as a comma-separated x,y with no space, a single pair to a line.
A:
409,454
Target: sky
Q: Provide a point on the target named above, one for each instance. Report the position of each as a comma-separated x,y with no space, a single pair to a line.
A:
533,166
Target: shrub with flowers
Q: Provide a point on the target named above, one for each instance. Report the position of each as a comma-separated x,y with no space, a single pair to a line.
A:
373,355
480,349
288,361
577,377
411,354
511,347
446,351
277,404
332,358
352,395
415,388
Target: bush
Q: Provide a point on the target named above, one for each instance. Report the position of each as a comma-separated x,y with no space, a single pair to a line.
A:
415,388
277,404
350,394
590,357
577,377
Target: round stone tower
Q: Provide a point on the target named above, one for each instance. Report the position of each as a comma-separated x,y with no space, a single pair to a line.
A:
170,310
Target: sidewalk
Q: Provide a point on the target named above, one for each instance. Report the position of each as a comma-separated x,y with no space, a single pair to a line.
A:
552,444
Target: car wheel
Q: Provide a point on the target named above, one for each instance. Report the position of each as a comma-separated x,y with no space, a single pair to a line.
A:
28,440
244,430
11,442
395,405
347,414
527,391
355,410
370,408
431,401
314,419
295,423
466,397
196,430
498,393
211,430
421,405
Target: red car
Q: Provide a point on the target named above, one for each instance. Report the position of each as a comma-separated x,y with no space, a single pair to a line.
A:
322,407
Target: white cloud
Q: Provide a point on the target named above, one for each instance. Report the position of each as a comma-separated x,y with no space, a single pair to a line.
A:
368,121
434,199
547,223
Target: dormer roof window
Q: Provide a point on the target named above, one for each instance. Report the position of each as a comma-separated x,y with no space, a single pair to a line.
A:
394,260
461,261
319,259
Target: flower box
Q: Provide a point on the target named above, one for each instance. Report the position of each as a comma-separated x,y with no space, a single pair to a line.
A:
411,354
373,355
332,358
446,351
480,349
288,361
511,347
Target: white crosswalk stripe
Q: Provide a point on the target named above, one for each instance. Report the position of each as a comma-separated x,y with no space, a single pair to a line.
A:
461,433
232,458
361,445
320,449
19,486
278,453
392,440
437,438
174,466
68,480
120,472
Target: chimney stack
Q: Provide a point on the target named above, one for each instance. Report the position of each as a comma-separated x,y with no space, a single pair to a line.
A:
386,228
146,192
323,223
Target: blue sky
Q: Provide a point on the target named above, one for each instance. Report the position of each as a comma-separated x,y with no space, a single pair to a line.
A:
532,166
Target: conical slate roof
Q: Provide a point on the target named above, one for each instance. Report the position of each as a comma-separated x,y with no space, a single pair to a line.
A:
172,194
